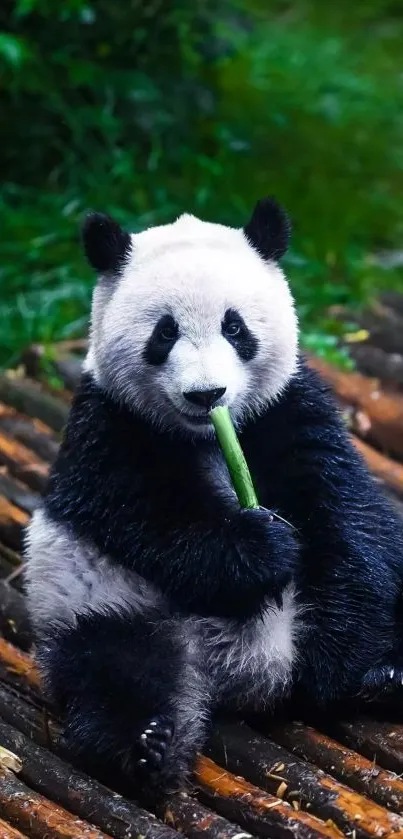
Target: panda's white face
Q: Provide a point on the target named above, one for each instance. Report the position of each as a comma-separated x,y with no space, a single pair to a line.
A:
195,318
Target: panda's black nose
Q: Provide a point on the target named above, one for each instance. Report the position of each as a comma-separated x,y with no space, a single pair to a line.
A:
205,398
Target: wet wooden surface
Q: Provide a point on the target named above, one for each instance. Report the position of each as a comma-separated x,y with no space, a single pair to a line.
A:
374,414
342,762
8,832
288,780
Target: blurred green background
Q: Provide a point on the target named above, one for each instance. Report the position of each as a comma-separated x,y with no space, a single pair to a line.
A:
148,108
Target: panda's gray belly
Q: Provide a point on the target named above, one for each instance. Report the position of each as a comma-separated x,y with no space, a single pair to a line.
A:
66,577
250,664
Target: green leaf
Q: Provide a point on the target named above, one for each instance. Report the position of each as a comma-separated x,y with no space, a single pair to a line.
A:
13,50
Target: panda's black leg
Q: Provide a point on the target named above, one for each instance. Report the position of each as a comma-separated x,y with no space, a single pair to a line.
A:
135,707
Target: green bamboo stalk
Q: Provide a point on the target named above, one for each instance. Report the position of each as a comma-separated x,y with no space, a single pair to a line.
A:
234,456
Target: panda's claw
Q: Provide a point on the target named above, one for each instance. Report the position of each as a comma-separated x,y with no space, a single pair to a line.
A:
154,742
155,757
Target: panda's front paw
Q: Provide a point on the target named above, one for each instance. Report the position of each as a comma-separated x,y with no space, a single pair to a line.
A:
271,543
265,559
154,742
259,523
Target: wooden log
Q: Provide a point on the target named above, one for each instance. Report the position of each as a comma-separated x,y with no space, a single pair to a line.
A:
386,470
393,300
189,816
29,811
19,663
17,492
14,623
69,370
385,326
30,715
8,571
377,740
34,353
33,433
8,413
344,763
78,346
63,395
227,796
378,364
256,810
52,777
235,800
12,521
65,360
8,832
30,398
7,555
23,463
85,796
382,321
23,665
274,768
376,415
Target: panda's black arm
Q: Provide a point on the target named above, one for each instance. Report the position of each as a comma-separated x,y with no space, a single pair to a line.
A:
208,555
351,568
226,565
213,560
351,574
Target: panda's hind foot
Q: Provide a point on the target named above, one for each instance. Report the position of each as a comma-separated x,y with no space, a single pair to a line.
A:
383,682
154,742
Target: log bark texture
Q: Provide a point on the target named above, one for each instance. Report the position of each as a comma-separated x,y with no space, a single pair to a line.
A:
274,768
374,414
342,762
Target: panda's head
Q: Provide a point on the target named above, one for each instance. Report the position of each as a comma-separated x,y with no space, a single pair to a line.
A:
190,315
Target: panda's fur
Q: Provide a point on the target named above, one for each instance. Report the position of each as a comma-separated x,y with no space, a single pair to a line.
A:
155,599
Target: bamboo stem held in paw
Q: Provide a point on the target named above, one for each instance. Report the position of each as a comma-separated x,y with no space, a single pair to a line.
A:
231,449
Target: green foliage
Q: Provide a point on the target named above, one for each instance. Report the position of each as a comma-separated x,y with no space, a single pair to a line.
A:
146,109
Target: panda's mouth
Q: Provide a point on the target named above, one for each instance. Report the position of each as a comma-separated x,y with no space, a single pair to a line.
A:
200,420
196,419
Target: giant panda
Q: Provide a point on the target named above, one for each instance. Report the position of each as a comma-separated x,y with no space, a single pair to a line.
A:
155,600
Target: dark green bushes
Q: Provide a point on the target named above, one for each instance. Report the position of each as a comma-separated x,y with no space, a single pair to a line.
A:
151,107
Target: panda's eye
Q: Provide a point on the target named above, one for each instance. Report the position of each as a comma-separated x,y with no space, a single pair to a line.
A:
161,341
167,329
232,329
168,333
238,334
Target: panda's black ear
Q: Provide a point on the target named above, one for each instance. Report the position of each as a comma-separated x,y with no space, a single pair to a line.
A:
269,229
106,245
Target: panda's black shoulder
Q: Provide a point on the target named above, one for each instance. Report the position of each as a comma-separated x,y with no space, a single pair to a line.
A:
306,406
309,393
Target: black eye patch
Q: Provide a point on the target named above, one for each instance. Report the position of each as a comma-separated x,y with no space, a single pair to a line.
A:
163,337
236,332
